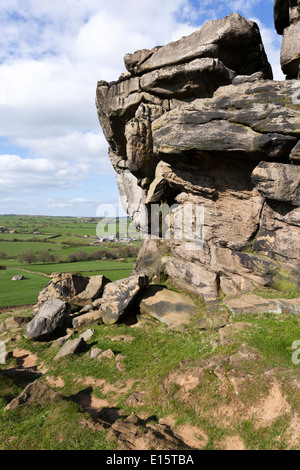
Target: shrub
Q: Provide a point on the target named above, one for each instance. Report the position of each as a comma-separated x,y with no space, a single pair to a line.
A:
27,258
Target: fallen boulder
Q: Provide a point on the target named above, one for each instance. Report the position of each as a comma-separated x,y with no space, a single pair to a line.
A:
119,296
35,392
290,305
87,318
252,304
63,286
50,315
70,347
167,306
92,292
18,278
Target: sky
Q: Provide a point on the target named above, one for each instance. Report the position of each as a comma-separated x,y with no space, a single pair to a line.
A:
53,155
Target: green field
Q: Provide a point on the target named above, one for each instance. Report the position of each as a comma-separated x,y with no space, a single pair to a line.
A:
61,237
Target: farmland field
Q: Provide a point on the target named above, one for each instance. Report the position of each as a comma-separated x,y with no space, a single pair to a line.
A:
38,246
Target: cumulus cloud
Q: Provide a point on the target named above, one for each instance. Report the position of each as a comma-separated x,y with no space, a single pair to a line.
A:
51,56
28,175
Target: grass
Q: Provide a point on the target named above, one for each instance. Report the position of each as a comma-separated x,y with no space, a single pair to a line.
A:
24,292
20,292
57,426
70,239
153,354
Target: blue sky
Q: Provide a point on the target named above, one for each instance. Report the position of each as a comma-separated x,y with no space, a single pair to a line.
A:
53,156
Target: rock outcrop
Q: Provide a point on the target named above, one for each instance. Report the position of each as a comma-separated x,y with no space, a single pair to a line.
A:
287,23
206,145
49,317
75,289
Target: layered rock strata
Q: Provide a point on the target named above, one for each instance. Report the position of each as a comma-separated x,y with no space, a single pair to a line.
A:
199,130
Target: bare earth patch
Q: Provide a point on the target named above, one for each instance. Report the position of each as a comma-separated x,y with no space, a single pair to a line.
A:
119,388
271,407
57,382
232,443
293,431
27,360
193,437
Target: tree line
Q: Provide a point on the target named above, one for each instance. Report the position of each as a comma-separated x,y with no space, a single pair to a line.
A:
46,257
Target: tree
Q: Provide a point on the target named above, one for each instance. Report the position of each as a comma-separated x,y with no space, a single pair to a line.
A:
28,257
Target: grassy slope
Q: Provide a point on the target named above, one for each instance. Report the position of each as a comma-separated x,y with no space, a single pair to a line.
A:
24,292
150,357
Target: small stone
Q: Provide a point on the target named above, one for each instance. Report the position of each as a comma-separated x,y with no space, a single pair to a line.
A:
86,308
70,347
120,357
87,335
18,278
87,318
35,392
61,341
213,321
95,352
106,354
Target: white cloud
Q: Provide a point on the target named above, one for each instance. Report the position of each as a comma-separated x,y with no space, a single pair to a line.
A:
27,175
51,56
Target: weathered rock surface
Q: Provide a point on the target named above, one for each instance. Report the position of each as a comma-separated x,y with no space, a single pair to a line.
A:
167,306
230,39
278,182
20,277
119,296
287,22
70,347
35,392
50,315
93,291
133,433
217,148
87,318
253,304
62,286
12,323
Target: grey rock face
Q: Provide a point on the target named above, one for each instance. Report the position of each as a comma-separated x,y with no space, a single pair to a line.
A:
49,317
119,296
167,306
18,278
63,286
35,392
70,347
278,182
198,123
250,120
230,39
